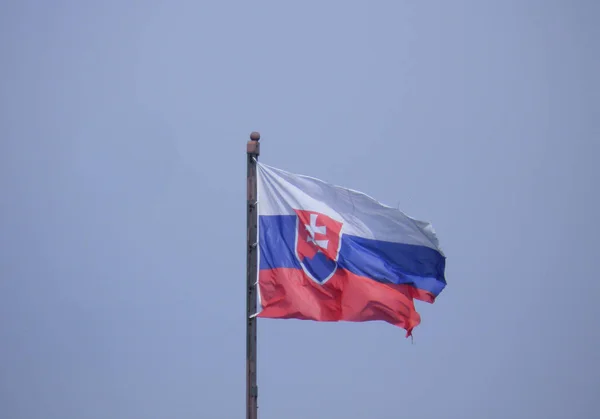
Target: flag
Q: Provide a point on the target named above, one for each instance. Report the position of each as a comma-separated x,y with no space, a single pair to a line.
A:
328,253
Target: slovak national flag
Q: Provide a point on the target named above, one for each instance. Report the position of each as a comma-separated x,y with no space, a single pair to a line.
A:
328,253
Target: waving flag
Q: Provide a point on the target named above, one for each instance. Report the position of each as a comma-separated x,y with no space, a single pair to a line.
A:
328,253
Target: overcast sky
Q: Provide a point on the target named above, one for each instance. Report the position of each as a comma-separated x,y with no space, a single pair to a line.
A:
123,127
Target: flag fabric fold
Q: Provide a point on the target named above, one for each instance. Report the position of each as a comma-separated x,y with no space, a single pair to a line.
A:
329,253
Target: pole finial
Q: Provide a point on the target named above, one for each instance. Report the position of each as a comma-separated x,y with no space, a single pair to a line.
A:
255,136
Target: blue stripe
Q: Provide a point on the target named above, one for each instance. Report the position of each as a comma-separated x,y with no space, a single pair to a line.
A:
397,263
386,262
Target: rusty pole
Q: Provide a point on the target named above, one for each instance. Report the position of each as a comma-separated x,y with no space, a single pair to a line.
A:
252,151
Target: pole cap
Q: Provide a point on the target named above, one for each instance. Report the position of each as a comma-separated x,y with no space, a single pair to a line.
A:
255,136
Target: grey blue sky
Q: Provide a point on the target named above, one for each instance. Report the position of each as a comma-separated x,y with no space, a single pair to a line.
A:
123,127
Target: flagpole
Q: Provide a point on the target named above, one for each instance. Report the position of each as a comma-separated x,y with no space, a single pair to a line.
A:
252,151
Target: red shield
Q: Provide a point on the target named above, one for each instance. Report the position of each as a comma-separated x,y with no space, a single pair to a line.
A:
318,239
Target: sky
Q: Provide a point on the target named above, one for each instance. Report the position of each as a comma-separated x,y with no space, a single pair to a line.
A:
123,129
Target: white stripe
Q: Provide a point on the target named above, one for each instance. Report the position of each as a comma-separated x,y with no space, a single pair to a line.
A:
282,192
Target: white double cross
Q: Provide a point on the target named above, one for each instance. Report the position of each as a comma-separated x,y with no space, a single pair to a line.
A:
313,229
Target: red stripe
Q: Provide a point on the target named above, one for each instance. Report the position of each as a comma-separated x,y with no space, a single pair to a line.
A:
288,293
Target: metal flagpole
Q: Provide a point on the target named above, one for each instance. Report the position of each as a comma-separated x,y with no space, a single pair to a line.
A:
252,151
